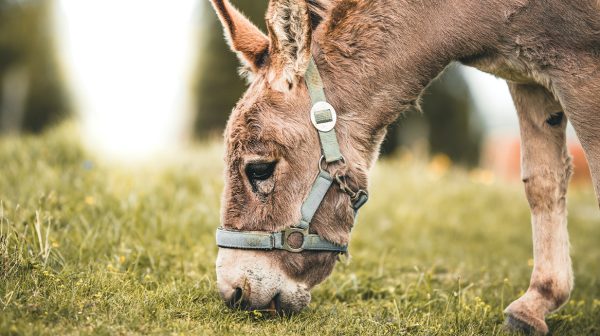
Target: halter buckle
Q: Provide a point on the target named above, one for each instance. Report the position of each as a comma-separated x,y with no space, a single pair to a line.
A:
287,233
358,197
323,116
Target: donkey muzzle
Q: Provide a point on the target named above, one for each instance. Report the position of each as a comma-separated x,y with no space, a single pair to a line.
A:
250,280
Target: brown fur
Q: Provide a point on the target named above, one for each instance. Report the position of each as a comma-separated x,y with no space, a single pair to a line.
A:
243,37
289,23
376,57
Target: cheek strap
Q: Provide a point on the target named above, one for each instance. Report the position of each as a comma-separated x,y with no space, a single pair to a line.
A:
254,240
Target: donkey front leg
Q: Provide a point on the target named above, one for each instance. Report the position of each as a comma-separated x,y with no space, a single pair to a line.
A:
546,169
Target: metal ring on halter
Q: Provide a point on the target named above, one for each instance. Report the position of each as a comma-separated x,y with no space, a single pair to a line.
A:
286,235
324,168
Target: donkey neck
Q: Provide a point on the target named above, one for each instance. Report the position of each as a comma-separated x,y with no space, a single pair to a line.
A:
378,56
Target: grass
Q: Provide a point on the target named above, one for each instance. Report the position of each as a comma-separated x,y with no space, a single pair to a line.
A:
86,248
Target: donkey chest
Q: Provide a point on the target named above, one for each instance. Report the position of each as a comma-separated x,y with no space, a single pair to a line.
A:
512,68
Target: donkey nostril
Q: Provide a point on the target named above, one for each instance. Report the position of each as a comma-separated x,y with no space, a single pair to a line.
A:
238,295
237,299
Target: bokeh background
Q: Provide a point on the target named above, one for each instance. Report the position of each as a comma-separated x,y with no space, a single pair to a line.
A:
111,120
143,78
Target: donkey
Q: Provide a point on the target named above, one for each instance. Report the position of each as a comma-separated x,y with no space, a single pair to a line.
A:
374,58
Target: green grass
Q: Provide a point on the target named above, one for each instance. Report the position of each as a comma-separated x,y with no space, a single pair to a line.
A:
86,248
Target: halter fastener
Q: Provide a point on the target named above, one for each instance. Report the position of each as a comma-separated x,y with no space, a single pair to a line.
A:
323,116
286,235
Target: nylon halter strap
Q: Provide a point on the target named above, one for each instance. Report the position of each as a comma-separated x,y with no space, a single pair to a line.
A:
324,118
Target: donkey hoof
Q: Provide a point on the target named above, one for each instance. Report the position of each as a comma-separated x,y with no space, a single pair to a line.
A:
516,324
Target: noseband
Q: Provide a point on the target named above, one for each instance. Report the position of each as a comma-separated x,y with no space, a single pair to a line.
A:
324,118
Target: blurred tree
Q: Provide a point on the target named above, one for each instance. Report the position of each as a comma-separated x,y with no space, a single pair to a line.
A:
31,92
219,86
448,125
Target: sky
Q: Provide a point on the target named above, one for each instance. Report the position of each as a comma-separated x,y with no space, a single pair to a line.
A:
128,61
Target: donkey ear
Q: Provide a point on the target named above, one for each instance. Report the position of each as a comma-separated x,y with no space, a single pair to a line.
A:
250,44
289,27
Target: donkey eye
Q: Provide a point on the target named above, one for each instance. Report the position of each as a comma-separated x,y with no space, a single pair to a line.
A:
555,119
260,171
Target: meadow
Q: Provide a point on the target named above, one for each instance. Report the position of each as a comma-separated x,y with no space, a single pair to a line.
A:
92,248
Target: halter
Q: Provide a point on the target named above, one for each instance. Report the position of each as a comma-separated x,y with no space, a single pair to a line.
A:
323,118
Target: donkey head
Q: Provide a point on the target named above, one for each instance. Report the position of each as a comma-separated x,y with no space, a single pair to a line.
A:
272,157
